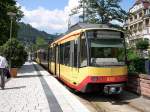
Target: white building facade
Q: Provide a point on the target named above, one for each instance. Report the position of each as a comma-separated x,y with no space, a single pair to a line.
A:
138,23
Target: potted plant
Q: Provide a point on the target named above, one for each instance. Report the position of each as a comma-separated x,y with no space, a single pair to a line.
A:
15,54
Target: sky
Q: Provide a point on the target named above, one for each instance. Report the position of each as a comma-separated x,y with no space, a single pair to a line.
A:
51,16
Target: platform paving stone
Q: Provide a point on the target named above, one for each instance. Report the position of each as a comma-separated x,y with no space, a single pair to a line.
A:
37,91
24,93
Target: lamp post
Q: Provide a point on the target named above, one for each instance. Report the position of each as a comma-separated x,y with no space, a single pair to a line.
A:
12,15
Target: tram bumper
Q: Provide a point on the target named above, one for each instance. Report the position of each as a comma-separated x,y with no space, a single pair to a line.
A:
113,89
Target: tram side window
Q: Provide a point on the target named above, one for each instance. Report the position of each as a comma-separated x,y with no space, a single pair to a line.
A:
75,53
83,56
67,53
61,54
50,54
53,54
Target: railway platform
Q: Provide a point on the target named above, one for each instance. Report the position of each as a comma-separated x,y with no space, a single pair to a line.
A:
35,90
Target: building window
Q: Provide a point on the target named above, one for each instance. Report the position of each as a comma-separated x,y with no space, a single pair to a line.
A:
140,14
131,19
135,17
144,11
147,22
140,26
131,29
147,11
135,28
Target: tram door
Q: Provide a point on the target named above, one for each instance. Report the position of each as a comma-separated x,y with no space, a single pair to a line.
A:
74,58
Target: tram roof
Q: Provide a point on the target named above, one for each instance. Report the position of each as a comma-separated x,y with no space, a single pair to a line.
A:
90,26
87,26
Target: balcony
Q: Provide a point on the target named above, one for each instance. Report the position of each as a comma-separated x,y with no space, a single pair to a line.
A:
146,15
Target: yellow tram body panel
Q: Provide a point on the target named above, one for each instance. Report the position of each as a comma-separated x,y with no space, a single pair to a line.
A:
75,76
101,71
37,60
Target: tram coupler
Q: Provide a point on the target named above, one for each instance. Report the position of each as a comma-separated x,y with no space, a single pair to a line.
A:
113,89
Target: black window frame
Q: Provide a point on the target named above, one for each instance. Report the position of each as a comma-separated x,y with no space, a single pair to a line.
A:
89,47
84,43
66,53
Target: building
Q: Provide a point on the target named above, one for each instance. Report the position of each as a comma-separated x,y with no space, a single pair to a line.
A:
138,23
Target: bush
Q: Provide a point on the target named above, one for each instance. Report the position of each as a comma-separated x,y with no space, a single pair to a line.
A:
142,44
136,64
15,51
1,50
132,54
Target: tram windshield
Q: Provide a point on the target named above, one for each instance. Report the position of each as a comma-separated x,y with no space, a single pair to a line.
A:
107,48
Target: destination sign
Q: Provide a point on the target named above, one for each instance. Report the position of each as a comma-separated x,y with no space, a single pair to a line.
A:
104,34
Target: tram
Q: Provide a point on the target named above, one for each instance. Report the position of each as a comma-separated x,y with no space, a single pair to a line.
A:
90,57
41,57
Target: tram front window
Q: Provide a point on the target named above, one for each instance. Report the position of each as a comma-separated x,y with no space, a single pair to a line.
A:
107,52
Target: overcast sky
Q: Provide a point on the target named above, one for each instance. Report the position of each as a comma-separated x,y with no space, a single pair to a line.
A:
52,15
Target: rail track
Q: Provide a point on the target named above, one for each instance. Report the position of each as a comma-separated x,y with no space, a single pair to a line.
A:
96,102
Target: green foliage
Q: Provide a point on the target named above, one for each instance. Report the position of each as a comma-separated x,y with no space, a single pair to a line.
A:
15,51
40,42
132,54
1,50
142,44
101,11
137,65
5,7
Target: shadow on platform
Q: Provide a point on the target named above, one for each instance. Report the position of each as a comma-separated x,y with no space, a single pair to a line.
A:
27,69
20,87
28,76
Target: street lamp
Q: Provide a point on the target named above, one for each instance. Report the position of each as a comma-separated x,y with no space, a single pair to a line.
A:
12,15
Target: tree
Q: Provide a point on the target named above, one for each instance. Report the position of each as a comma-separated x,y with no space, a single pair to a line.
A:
142,44
15,51
5,7
40,42
101,11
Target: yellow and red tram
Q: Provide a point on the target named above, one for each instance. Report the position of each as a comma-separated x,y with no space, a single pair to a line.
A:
41,57
90,58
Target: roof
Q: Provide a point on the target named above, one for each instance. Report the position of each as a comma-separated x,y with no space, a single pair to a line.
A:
85,26
145,3
79,26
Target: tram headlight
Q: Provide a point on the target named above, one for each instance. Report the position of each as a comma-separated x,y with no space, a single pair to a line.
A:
112,89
